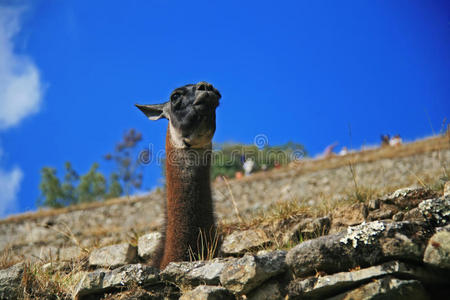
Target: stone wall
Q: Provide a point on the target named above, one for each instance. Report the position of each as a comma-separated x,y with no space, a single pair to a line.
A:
405,255
48,233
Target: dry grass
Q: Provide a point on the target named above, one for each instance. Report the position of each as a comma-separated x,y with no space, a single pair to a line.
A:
67,232
53,280
8,259
238,214
278,211
56,280
207,246
41,284
275,221
289,212
282,215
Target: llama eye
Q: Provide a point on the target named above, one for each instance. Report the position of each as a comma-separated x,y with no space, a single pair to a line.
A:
175,97
176,100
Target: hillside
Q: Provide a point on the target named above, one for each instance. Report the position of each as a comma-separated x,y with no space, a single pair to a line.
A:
340,191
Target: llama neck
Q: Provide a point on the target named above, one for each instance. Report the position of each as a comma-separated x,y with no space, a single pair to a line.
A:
189,201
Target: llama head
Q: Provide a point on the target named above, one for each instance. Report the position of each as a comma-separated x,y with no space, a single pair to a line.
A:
191,112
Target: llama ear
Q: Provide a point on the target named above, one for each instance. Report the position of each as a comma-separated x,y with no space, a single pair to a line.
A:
154,111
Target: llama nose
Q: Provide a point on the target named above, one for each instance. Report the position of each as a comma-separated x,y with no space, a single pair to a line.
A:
204,86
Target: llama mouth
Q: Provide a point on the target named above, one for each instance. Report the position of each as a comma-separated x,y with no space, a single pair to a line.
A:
206,98
203,110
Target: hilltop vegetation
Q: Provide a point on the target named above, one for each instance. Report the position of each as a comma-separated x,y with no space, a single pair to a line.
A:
93,186
127,174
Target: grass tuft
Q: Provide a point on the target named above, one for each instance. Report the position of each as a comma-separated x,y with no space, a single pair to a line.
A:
207,245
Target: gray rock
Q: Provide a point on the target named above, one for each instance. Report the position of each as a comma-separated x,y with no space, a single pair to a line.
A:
414,215
271,290
242,275
401,193
361,245
388,288
207,292
101,280
113,256
190,274
436,211
365,233
326,286
10,280
399,246
408,198
325,253
437,252
147,244
240,242
380,214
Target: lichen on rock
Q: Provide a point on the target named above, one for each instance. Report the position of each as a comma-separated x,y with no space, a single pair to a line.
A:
365,233
436,210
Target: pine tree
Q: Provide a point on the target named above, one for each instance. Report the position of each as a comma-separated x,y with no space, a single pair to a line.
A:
92,186
50,186
69,190
114,187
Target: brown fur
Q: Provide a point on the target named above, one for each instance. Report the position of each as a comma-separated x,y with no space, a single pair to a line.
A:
189,208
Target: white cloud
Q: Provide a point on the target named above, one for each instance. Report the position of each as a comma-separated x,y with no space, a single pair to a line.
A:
20,87
9,187
20,96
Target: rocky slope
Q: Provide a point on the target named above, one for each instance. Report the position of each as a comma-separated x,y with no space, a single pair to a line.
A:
310,183
333,235
397,256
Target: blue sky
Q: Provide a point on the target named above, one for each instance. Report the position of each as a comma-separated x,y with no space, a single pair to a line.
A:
70,72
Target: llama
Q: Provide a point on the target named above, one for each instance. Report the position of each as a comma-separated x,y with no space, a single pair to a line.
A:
189,219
